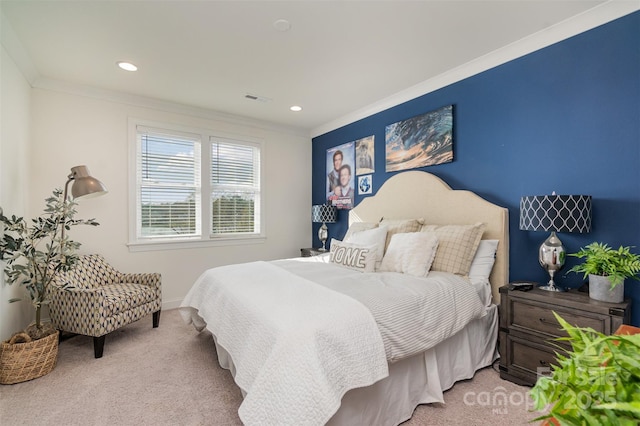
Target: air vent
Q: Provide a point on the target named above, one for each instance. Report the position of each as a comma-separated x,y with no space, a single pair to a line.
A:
257,98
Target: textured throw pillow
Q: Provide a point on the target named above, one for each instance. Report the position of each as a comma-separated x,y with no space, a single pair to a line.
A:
400,226
358,227
410,253
354,256
457,244
483,260
373,237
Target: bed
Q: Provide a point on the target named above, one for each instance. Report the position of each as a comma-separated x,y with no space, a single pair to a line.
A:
312,346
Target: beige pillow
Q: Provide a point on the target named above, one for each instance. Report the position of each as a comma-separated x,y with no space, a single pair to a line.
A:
410,253
457,245
400,226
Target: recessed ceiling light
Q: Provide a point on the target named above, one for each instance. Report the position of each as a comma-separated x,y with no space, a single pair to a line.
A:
127,66
296,108
282,25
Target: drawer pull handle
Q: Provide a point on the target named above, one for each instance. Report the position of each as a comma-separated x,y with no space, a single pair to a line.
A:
542,362
543,320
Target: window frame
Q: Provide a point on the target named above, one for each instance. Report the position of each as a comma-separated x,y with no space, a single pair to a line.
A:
205,238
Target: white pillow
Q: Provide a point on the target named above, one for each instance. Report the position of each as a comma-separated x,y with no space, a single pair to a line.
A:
353,256
483,260
410,253
358,227
372,237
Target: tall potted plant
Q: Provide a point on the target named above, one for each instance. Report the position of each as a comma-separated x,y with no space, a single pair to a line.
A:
34,252
607,270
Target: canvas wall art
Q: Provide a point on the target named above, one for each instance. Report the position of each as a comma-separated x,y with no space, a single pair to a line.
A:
424,140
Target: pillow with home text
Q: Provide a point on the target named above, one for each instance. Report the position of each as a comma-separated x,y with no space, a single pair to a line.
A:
354,256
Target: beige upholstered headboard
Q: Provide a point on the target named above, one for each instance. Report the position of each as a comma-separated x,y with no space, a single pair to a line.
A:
417,194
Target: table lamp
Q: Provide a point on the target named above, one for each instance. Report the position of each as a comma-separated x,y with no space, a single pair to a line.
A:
555,213
324,213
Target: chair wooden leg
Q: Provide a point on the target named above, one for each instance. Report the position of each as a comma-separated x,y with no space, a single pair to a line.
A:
98,346
156,319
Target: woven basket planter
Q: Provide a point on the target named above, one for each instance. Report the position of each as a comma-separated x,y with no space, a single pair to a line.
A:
20,362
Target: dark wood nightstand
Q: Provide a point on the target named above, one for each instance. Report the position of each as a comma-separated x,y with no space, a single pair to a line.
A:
308,252
528,327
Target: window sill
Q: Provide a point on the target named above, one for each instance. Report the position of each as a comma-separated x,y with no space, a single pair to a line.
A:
190,244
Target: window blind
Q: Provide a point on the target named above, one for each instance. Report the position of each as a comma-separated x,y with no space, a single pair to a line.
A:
235,188
168,177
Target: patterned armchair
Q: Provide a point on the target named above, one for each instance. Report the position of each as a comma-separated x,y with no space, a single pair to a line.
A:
99,299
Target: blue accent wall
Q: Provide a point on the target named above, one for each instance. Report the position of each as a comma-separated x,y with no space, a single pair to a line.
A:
565,118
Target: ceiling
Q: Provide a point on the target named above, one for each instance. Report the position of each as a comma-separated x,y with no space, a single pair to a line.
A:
337,57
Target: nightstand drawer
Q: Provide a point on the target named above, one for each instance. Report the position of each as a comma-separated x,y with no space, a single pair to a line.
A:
525,358
541,319
530,358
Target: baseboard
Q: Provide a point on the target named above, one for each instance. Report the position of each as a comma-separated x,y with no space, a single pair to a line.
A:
171,304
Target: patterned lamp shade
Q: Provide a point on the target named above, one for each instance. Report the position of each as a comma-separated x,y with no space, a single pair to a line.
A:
324,213
558,213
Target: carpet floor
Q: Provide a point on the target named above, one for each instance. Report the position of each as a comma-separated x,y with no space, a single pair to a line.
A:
170,376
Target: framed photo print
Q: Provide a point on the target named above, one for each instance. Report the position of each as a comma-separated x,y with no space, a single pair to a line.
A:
365,185
341,176
365,156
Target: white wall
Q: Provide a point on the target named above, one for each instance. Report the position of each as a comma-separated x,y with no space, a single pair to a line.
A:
15,108
70,129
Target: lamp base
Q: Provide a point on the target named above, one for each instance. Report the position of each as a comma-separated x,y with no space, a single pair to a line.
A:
323,235
551,287
551,256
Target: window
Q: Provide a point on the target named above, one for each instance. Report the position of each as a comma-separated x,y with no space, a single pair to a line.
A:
168,176
235,188
194,187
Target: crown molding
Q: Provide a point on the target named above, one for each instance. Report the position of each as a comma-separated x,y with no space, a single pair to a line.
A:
599,15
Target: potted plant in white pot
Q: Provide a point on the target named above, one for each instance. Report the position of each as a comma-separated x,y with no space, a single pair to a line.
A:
607,270
34,252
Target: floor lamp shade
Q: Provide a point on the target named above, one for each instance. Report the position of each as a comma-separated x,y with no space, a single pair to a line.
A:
85,185
324,213
555,213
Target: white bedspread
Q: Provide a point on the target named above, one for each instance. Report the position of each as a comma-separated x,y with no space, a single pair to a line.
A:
297,347
413,314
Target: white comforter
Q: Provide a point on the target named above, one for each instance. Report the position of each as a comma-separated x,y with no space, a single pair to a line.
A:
413,314
302,332
297,346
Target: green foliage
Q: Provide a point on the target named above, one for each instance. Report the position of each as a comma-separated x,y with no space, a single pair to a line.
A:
600,259
229,214
232,214
597,383
35,252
